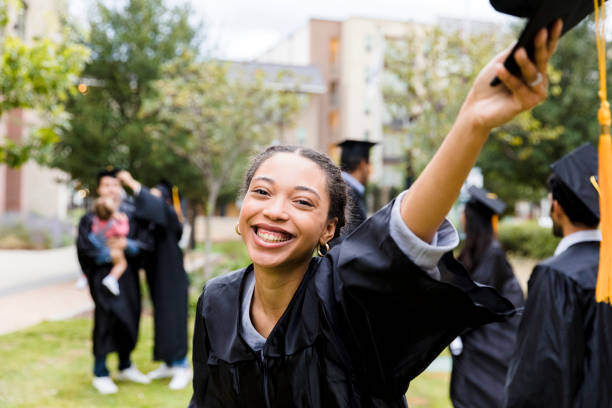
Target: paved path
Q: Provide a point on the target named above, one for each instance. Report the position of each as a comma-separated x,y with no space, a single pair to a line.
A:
39,285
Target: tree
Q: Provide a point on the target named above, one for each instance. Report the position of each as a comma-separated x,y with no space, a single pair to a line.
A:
220,121
430,72
130,45
40,75
516,159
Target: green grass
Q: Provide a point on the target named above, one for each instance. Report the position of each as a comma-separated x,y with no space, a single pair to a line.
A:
49,365
430,390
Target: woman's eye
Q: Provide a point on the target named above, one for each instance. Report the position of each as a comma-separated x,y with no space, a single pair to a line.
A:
304,202
260,191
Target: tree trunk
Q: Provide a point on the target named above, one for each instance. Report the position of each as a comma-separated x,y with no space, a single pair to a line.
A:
213,194
192,213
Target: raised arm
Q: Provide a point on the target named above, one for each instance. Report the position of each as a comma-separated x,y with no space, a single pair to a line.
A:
430,198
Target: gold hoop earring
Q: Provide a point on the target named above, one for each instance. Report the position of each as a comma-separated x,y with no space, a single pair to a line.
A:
326,249
237,229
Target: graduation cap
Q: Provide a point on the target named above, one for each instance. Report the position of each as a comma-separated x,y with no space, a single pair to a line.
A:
355,149
578,170
170,192
487,199
108,171
165,188
541,14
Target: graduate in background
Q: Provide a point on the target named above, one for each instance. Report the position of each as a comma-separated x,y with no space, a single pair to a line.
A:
563,356
116,318
481,356
356,170
167,281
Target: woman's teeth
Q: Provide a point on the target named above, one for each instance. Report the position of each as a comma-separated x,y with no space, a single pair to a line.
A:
270,236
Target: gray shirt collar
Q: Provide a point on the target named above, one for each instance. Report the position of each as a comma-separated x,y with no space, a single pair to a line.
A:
577,237
352,181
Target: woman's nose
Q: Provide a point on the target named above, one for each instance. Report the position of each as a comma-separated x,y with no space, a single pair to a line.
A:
276,209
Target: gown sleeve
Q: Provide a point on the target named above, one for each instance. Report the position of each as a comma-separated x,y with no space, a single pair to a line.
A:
395,317
548,360
87,252
150,208
200,359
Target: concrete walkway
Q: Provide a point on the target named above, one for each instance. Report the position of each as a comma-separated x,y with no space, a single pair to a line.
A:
40,285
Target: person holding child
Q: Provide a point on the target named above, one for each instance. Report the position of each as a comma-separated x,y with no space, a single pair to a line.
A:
352,327
116,316
110,223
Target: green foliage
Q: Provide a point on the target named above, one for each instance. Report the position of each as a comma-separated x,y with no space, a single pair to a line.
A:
516,159
130,46
527,239
38,75
431,70
215,121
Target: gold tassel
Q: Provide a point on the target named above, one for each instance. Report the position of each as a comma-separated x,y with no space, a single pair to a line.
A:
495,223
603,290
177,203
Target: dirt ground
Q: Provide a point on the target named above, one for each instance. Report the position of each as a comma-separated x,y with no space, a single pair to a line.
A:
522,269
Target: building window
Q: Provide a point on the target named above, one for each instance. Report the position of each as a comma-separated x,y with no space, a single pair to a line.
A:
334,46
366,135
333,94
20,23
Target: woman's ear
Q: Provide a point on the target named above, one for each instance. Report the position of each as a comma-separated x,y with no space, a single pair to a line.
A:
329,231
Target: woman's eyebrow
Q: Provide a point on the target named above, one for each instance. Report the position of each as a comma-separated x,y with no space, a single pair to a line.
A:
312,190
300,188
263,178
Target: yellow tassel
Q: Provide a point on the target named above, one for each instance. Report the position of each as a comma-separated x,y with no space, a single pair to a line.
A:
177,203
603,290
495,223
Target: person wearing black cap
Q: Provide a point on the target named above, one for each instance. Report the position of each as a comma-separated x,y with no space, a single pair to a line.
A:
356,169
167,280
481,356
116,318
563,356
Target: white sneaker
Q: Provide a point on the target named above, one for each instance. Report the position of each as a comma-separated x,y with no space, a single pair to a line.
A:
111,284
181,378
163,371
133,374
81,283
104,385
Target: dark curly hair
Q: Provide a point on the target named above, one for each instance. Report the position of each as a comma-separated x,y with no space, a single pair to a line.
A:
336,187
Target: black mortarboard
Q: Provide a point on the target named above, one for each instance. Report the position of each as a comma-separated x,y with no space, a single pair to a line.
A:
489,200
356,149
165,187
576,170
108,171
541,13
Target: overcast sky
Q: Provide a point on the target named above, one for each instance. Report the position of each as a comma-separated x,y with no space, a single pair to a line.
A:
242,29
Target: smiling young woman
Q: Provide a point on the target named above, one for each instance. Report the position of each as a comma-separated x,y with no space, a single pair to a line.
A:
351,328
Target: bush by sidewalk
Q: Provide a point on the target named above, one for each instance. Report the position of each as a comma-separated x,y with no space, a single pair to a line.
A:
34,232
527,239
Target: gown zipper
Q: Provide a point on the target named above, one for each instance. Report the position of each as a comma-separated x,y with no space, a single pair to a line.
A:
265,378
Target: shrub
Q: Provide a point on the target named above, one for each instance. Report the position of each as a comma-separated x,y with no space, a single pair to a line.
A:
527,239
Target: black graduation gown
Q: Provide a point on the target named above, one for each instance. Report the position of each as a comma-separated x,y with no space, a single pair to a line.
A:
357,211
166,278
116,318
363,322
563,356
479,372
